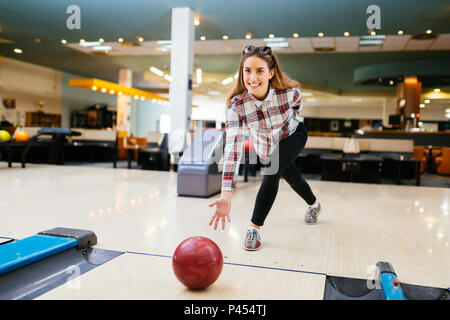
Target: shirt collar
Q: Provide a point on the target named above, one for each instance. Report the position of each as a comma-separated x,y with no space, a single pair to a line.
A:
268,98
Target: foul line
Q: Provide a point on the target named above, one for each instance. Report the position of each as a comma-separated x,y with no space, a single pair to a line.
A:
235,264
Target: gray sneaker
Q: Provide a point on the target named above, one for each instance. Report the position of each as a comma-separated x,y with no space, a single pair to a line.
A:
312,214
252,240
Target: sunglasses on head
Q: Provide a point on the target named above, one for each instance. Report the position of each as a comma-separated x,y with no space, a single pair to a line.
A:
253,49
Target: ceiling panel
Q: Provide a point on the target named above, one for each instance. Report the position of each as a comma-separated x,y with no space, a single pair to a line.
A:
395,42
347,44
419,44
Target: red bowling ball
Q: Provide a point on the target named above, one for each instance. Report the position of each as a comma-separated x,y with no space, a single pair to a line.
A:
197,262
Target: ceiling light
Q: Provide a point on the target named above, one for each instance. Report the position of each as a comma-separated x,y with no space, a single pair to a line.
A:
101,40
429,31
225,37
227,80
320,34
422,105
427,101
157,71
391,82
102,48
119,93
196,21
271,36
120,40
82,41
248,35
400,32
140,39
346,34
372,33
89,44
64,41
276,45
168,77
37,40
437,90
203,38
142,98
18,50
111,91
198,74
94,88
296,35
103,90
136,97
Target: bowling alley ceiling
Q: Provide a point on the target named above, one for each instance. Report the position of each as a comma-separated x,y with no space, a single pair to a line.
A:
323,39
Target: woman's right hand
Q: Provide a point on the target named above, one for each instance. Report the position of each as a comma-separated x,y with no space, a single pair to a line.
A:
223,206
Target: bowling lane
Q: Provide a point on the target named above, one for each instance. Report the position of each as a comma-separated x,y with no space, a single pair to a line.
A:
139,211
138,277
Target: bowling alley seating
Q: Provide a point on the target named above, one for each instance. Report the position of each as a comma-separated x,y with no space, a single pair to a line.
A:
443,162
419,154
397,156
123,143
92,145
155,155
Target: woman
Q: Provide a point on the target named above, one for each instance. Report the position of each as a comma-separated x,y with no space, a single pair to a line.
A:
269,104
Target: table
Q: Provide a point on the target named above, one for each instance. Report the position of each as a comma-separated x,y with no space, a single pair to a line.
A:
352,168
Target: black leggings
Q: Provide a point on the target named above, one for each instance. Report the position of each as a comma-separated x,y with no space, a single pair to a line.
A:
287,151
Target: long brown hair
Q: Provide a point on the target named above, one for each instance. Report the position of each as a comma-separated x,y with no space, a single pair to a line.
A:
279,80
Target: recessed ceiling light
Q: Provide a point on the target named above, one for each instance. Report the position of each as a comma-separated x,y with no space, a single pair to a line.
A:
429,31
94,88
391,82
157,71
196,21
320,34
400,32
248,35
168,77
271,36
346,34
296,35
422,105
101,40
227,80
82,41
120,40
103,89
427,101
372,33
203,38
437,90
225,37
18,50
140,39
64,41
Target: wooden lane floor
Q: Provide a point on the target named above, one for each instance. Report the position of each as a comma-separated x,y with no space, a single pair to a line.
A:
139,211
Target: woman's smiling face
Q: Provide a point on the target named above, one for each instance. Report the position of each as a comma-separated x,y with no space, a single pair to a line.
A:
256,76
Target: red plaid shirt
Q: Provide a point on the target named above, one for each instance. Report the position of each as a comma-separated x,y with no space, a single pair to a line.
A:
269,121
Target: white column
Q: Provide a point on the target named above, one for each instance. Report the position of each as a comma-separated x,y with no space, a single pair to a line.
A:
123,123
181,69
